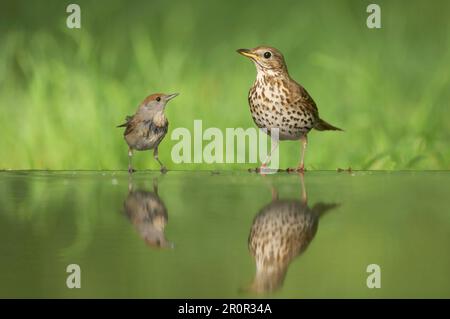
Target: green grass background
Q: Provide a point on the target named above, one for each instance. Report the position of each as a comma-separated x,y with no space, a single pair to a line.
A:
63,91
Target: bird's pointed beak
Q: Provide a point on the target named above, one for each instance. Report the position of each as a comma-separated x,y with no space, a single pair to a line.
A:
171,96
248,53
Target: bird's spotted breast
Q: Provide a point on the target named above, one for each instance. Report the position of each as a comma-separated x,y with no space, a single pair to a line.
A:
273,106
281,231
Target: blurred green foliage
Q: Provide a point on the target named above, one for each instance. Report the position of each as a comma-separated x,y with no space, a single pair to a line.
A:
63,91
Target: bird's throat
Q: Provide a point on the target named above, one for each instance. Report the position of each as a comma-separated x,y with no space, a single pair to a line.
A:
160,119
265,73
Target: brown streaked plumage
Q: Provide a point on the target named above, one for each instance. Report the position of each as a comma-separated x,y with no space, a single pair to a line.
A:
278,102
147,127
148,214
281,231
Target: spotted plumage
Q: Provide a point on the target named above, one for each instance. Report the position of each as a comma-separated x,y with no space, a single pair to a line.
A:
280,232
272,106
278,102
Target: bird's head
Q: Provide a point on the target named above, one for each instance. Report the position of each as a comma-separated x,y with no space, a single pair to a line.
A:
266,59
156,102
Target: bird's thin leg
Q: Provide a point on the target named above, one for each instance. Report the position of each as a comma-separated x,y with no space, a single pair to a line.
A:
274,193
268,157
130,156
130,183
155,186
304,195
155,155
301,167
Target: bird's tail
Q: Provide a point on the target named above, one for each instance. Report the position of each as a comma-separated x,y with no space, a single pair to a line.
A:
321,125
127,119
321,208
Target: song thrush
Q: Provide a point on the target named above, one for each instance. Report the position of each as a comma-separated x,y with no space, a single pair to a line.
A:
146,129
281,231
277,101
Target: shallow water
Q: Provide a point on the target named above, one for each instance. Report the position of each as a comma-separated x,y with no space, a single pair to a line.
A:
186,234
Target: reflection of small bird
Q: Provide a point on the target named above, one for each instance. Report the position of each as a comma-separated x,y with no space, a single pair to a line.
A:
146,129
280,232
149,216
277,101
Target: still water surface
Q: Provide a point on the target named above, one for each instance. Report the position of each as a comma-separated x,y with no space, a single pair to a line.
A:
223,234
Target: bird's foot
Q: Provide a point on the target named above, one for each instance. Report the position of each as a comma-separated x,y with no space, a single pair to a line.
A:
131,170
300,169
163,169
348,170
264,169
254,170
258,169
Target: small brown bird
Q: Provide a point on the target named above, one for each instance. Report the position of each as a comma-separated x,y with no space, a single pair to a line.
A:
277,101
281,231
148,214
146,129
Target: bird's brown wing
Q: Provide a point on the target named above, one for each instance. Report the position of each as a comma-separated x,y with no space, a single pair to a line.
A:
131,126
301,98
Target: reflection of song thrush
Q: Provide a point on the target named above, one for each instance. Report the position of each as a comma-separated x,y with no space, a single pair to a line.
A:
146,129
277,101
281,231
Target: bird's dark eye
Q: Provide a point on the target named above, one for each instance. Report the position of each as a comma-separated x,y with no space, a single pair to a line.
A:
267,54
158,99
